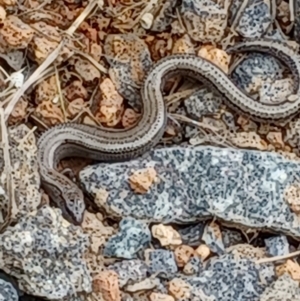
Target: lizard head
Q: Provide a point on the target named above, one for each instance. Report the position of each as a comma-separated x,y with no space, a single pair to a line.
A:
74,204
66,195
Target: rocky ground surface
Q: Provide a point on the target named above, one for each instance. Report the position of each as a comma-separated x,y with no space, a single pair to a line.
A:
211,214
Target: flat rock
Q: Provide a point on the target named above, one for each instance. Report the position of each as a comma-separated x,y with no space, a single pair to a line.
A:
242,188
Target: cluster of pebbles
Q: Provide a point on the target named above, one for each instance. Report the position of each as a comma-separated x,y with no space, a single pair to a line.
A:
240,188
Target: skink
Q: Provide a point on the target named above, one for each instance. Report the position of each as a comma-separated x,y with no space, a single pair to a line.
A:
104,144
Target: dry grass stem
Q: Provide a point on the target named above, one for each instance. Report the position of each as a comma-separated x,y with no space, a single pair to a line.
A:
61,97
278,258
88,9
10,187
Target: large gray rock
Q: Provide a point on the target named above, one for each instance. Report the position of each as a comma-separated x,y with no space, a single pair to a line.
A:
240,187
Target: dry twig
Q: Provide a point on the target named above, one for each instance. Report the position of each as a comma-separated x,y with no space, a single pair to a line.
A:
278,258
10,187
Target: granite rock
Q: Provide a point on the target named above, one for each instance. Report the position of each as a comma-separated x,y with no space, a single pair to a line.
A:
239,187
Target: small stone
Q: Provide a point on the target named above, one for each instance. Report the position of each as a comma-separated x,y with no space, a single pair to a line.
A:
106,283
133,236
166,235
277,246
192,235
202,103
179,289
147,20
254,20
292,197
205,21
212,236
144,285
289,267
161,262
217,56
276,139
130,271
183,45
7,291
203,251
231,237
246,251
183,254
141,180
194,266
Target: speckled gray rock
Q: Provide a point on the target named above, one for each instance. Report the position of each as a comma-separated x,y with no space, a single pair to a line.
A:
128,67
277,246
257,65
254,66
202,103
255,19
45,254
205,20
24,172
240,187
283,289
161,263
130,271
194,266
231,237
212,237
7,291
192,235
132,237
226,278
